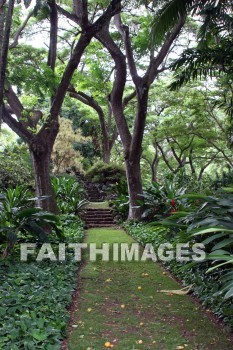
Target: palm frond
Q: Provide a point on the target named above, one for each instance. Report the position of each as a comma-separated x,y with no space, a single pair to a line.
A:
213,11
167,17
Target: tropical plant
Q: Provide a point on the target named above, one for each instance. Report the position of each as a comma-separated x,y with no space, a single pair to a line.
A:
120,206
15,198
69,194
160,200
19,221
213,54
210,221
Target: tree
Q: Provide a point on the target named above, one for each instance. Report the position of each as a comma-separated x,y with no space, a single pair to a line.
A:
132,142
6,13
64,156
213,55
41,140
92,87
185,130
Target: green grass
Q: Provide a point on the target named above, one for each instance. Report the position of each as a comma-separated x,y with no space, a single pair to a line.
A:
160,321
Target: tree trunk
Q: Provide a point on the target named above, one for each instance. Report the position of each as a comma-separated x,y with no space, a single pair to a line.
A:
133,156
154,168
134,181
106,150
41,158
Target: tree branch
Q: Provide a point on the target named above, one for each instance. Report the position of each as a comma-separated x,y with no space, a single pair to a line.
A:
4,45
116,96
19,31
14,102
16,126
89,101
74,61
67,14
52,55
165,158
178,159
216,147
191,161
152,70
206,165
128,98
124,31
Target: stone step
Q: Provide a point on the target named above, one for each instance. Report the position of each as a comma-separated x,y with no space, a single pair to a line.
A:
98,217
91,199
98,214
100,221
95,197
99,210
100,225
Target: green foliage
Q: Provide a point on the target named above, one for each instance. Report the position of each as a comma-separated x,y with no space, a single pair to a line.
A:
103,173
87,150
212,223
15,167
120,206
19,221
69,194
34,298
27,66
159,200
224,180
213,12
190,182
213,54
13,198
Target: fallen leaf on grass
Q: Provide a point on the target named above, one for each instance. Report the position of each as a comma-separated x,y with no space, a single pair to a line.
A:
182,291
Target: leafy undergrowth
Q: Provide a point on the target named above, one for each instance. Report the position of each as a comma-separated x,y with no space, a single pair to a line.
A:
34,297
205,286
119,305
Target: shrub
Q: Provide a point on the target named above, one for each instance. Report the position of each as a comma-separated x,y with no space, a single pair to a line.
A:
212,224
34,298
120,207
104,173
224,180
16,168
160,200
19,221
69,194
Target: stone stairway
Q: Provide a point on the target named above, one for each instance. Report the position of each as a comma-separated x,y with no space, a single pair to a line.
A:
94,194
98,218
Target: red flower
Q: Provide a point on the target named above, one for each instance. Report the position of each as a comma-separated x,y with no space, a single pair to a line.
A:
173,202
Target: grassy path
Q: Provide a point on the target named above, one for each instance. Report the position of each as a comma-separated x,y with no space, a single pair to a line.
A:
111,308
